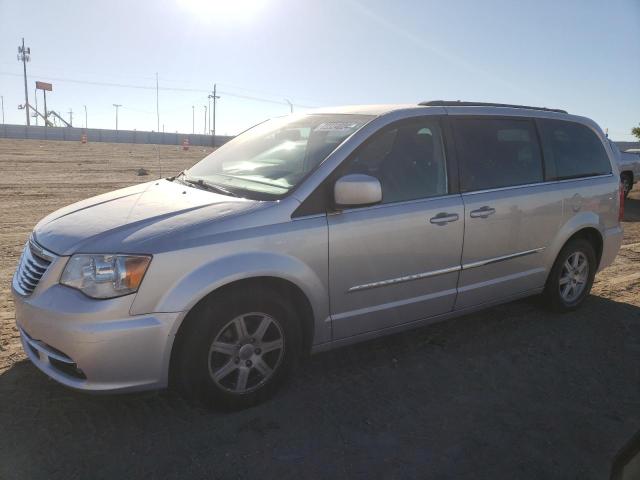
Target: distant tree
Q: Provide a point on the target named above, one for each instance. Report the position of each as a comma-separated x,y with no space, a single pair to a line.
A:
636,132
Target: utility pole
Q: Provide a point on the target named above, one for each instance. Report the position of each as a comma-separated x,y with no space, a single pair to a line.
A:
213,127
2,101
290,104
86,124
205,119
24,55
193,119
71,117
157,104
209,103
117,105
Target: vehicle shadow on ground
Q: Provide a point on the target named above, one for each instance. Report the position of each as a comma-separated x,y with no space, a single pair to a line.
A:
513,392
632,209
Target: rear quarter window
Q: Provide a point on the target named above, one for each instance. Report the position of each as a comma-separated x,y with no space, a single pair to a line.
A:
572,150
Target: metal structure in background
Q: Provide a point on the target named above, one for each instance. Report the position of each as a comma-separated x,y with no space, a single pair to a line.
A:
45,87
35,114
205,120
86,123
24,55
117,105
56,116
2,101
290,104
157,104
213,127
193,119
209,118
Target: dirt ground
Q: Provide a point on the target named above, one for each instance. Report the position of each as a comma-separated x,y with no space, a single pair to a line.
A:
513,392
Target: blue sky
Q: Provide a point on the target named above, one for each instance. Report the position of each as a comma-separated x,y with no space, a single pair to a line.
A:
580,55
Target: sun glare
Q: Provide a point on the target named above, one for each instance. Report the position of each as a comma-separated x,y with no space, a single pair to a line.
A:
212,10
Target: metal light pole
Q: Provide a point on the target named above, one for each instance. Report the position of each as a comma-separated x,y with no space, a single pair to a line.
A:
290,104
86,124
117,105
205,119
157,104
2,101
24,55
209,103
71,117
193,119
213,127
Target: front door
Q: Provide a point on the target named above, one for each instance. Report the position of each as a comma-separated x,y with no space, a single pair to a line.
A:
397,261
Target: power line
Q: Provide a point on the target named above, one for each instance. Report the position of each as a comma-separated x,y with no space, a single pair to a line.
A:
260,93
169,89
137,110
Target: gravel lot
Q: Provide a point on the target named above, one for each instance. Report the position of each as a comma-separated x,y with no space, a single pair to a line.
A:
512,392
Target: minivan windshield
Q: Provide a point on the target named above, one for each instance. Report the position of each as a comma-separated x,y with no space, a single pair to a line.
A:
270,159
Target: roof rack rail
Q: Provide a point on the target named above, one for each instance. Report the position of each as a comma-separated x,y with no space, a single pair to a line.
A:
458,103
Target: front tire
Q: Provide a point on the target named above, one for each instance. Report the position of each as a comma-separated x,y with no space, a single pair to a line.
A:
237,348
571,277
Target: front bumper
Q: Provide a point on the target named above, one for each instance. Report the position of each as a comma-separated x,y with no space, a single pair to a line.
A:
94,345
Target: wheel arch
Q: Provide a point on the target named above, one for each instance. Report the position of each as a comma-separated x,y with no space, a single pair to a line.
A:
593,236
578,228
284,287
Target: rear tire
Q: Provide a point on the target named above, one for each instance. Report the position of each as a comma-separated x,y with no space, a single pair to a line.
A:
571,277
236,349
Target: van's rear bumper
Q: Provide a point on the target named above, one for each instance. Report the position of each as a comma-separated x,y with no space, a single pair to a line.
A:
612,239
90,345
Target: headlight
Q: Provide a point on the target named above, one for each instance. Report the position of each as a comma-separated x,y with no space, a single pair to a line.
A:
105,276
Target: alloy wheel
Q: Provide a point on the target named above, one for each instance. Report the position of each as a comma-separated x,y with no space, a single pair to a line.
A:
246,352
574,276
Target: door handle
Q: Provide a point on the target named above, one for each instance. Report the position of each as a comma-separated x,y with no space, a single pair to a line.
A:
443,218
482,212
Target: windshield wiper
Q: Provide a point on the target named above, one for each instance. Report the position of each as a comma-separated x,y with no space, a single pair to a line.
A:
209,186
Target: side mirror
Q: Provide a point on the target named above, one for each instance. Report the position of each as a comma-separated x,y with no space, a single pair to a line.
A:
357,190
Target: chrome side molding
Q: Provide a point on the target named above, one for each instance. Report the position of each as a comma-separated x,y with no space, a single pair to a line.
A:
407,278
419,276
488,261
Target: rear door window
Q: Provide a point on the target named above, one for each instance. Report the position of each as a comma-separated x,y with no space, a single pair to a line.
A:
572,150
495,153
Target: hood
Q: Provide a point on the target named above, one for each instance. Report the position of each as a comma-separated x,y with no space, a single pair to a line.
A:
112,220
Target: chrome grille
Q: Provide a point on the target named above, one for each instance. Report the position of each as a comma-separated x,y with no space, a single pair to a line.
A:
33,264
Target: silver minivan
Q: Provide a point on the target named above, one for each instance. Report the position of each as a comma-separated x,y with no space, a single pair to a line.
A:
313,231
